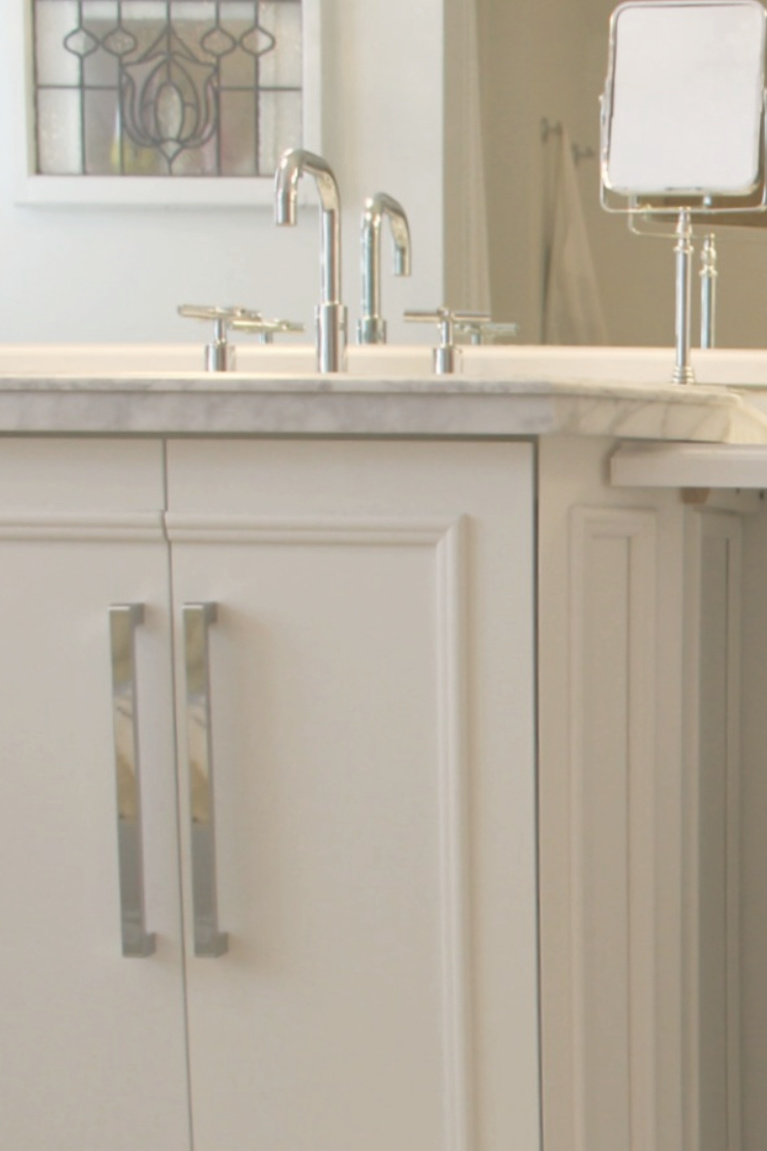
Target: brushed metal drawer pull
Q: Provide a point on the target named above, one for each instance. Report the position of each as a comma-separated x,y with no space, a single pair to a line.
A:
123,620
209,942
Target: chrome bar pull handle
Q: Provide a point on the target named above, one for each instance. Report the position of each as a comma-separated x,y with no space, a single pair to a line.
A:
123,620
209,942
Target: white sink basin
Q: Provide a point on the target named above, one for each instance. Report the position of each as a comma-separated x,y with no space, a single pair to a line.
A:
101,360
511,363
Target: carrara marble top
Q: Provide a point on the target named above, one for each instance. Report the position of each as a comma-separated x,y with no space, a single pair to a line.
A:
510,391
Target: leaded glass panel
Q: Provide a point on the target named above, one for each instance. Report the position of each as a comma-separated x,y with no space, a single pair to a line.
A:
166,87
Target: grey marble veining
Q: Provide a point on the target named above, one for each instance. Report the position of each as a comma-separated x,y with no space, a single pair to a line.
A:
185,405
165,403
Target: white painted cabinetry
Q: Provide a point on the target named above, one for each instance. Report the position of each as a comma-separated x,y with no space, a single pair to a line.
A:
372,714
93,1051
641,606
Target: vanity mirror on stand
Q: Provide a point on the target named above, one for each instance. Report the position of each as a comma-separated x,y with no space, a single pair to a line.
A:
683,131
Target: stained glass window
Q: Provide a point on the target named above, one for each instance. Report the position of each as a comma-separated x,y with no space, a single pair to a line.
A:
166,87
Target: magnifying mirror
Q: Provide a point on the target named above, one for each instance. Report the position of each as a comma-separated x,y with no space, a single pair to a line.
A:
683,124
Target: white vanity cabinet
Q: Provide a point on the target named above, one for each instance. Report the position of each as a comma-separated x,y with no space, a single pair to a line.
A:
650,592
93,1051
371,675
372,692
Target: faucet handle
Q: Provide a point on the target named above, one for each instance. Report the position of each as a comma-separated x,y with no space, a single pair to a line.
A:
487,331
448,321
264,330
219,355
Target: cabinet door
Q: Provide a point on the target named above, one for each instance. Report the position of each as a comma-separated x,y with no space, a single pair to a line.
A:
371,680
93,1055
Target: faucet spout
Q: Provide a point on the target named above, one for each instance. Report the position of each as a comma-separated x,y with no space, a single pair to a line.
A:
331,314
292,166
371,328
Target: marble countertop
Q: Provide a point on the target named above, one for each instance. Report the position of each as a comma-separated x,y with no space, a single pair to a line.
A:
507,392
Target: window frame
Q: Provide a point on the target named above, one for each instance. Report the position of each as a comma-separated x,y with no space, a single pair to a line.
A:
150,191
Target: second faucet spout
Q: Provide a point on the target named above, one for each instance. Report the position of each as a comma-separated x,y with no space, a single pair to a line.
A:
371,328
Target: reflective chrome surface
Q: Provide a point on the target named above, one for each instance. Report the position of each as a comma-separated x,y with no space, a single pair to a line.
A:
123,620
708,275
685,119
683,372
683,131
209,942
371,327
219,355
444,356
487,332
264,330
331,314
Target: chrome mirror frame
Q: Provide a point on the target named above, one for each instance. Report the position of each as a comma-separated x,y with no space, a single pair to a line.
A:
707,202
678,212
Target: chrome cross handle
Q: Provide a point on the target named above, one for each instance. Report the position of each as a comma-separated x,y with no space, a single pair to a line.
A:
449,322
219,355
264,330
487,331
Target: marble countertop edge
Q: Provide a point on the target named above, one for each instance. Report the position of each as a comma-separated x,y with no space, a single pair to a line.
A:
238,383
240,404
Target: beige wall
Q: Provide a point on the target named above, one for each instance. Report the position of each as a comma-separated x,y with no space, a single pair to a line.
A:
547,58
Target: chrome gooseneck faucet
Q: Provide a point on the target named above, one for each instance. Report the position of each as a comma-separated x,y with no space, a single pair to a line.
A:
371,327
331,314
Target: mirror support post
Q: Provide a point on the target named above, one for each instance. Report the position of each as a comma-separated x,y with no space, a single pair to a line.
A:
683,373
708,274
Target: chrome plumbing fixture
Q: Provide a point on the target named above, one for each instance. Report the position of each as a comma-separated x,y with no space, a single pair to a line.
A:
264,330
443,356
708,274
219,355
331,314
487,332
371,327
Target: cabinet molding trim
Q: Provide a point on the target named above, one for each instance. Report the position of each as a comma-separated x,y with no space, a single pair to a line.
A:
123,527
708,1100
612,766
453,786
447,538
192,529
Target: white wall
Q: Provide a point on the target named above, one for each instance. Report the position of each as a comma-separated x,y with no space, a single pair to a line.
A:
115,274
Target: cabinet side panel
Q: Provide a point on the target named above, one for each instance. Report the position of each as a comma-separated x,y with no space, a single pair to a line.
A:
753,953
612,647
610,716
712,802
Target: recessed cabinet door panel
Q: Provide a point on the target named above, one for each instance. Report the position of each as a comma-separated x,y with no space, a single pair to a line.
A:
93,1056
370,670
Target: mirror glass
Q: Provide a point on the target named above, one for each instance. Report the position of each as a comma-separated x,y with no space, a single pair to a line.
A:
683,106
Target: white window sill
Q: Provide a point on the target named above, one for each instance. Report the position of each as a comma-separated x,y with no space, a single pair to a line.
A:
151,191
